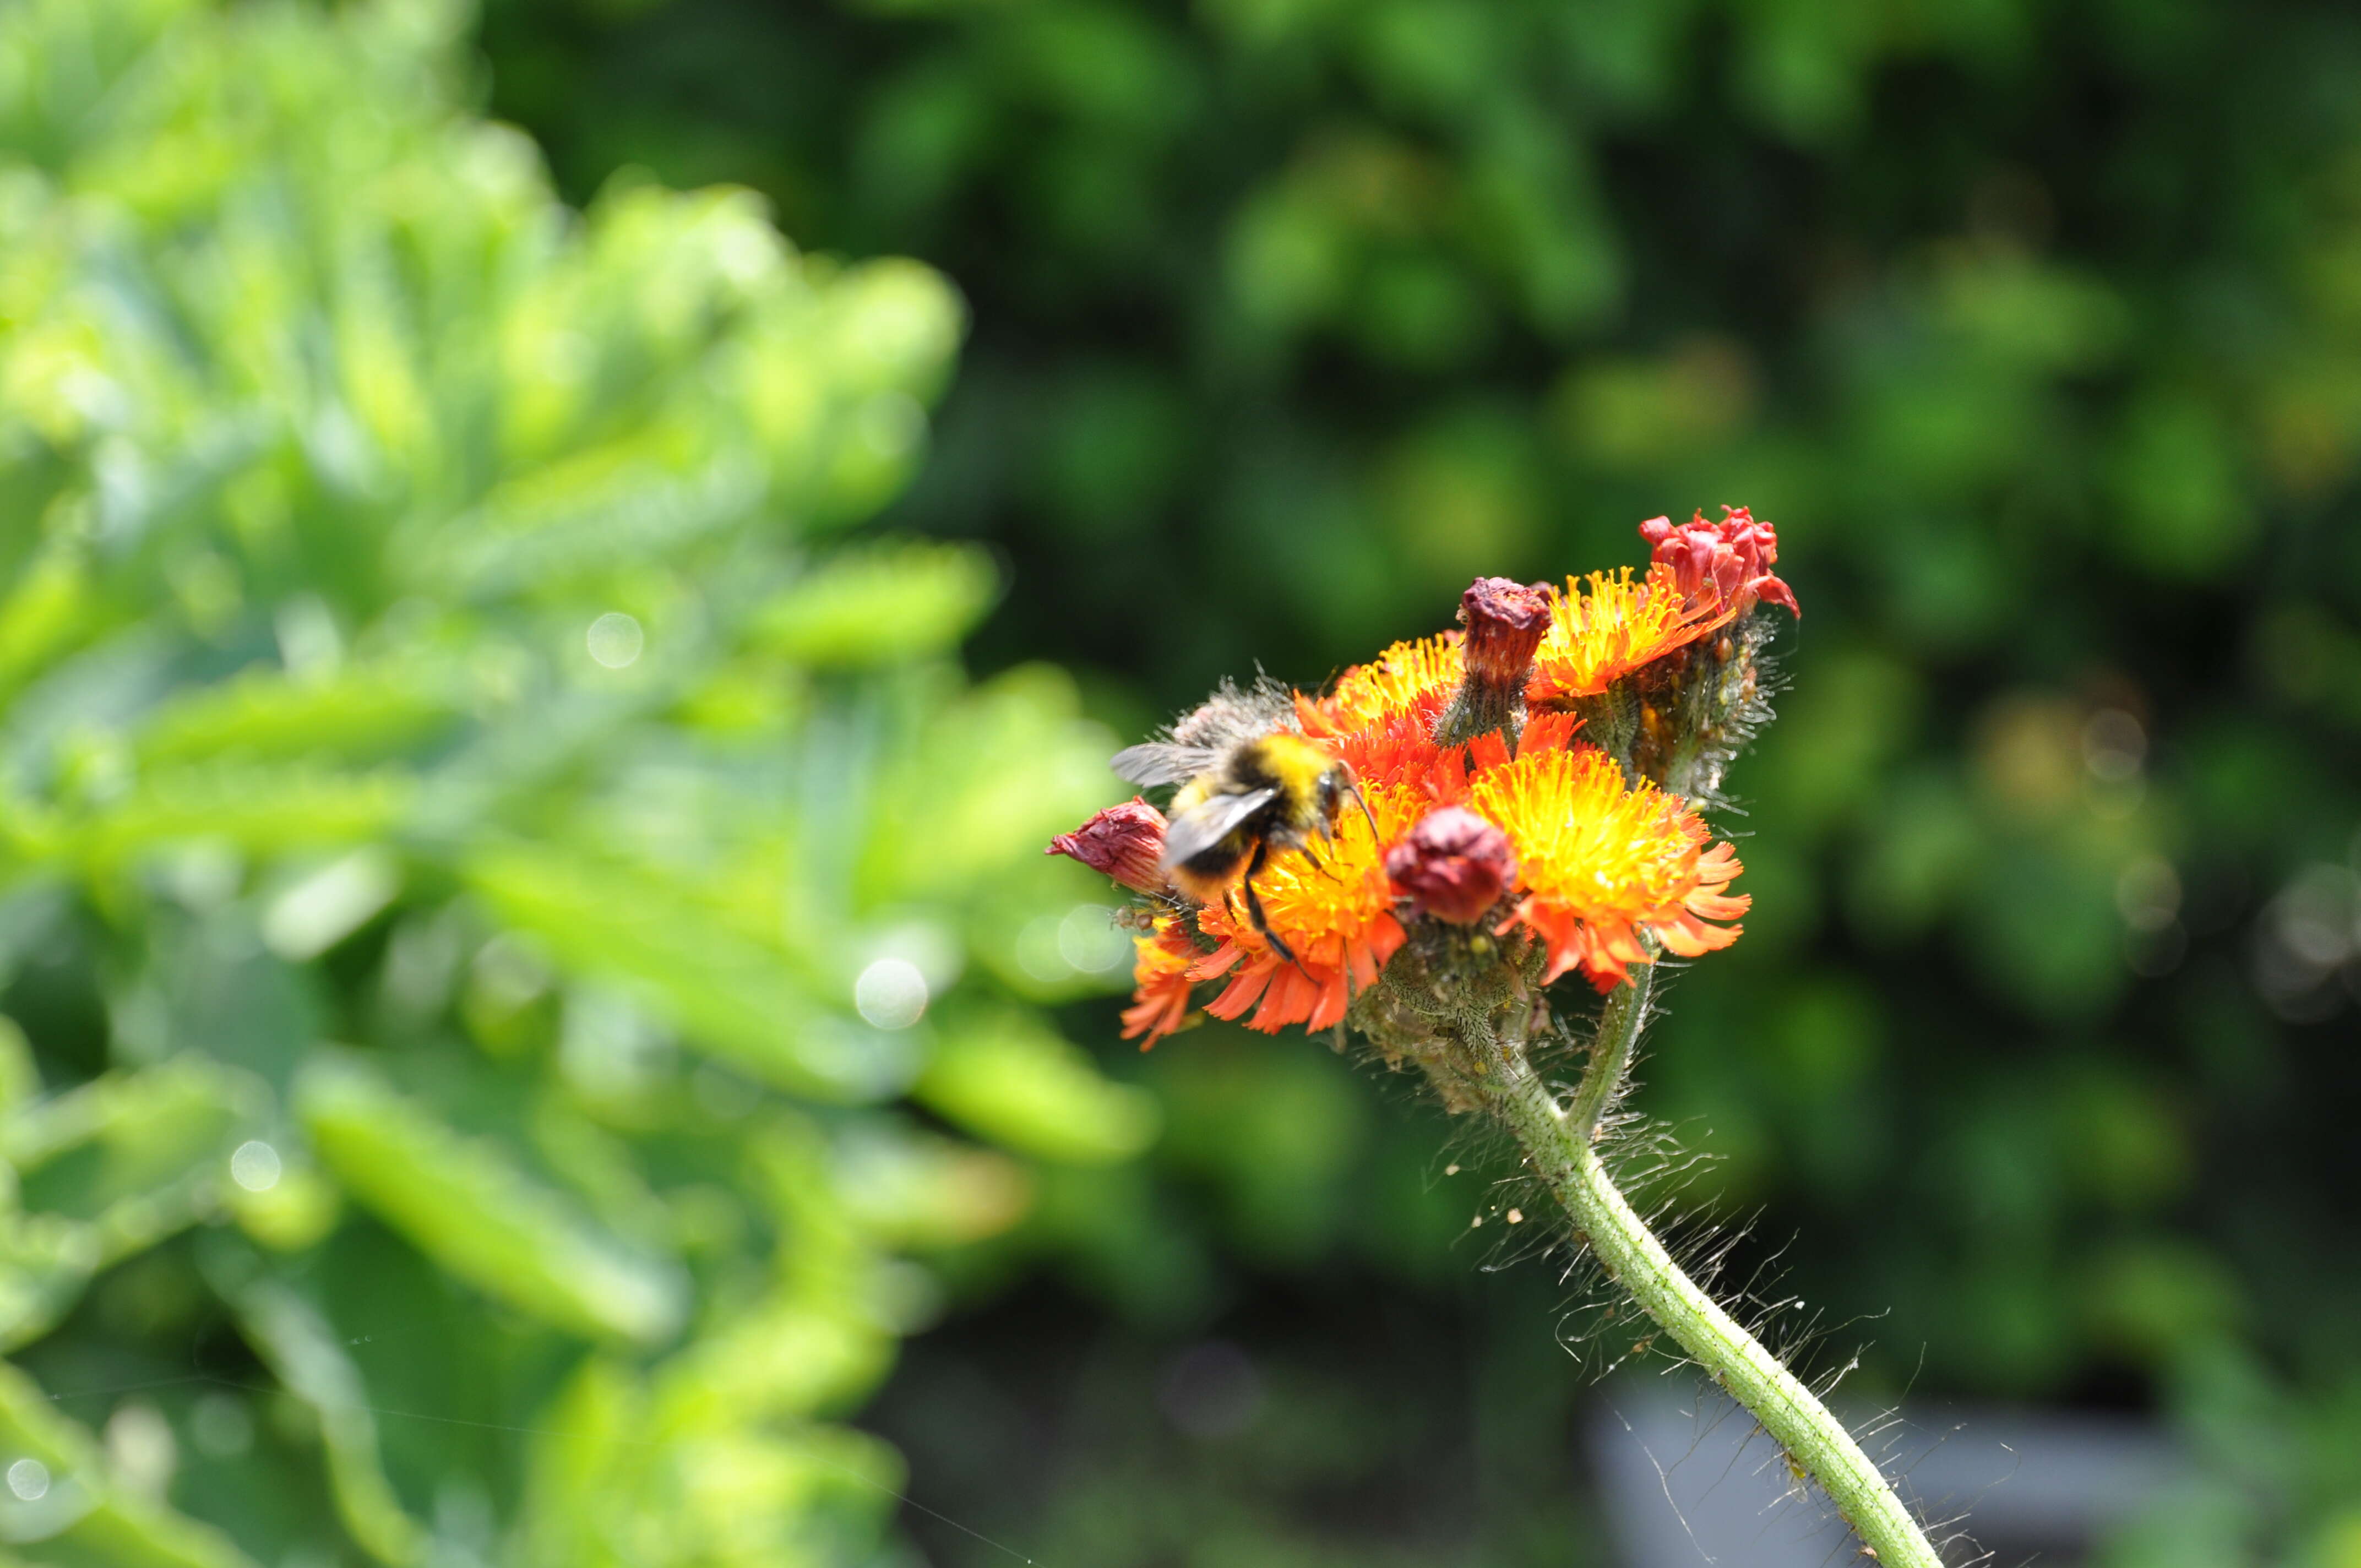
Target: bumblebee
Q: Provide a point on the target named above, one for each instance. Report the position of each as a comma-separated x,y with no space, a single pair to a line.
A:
1249,787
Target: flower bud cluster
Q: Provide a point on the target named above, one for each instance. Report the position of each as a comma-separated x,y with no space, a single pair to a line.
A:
1680,718
1728,560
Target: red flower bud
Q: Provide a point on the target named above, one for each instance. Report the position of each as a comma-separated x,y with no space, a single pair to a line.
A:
1724,561
1124,841
1454,865
1505,620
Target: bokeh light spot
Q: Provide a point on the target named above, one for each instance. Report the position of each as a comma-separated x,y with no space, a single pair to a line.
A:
616,640
1212,1390
1089,940
255,1166
29,1480
1038,949
891,994
2113,745
2148,893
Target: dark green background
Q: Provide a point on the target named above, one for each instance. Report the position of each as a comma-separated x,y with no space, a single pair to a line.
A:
2036,329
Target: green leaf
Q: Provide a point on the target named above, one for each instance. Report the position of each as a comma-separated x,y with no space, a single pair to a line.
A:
296,1342
728,1492
729,995
21,1079
910,1189
996,776
469,1207
1009,1078
781,1358
879,605
46,1262
81,1518
583,1458
134,1157
2183,507
46,611
263,811
356,715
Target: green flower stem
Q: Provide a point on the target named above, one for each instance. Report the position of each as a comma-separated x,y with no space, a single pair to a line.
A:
1557,1140
1625,1015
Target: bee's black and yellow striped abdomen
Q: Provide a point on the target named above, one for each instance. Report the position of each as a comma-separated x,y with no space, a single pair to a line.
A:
1304,786
1260,793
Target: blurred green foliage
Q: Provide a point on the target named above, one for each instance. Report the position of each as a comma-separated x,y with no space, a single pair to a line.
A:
2034,328
520,951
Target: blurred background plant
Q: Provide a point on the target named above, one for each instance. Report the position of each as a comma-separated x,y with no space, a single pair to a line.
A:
445,625
506,917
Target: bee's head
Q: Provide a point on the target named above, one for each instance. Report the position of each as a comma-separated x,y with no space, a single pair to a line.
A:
1328,792
1338,782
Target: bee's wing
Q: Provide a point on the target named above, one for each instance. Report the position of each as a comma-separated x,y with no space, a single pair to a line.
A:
1209,822
1160,762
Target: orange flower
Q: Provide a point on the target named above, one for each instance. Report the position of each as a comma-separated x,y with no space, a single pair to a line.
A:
1600,864
1397,749
1547,732
1339,922
1599,637
1160,982
1395,682
1380,719
1446,782
1392,749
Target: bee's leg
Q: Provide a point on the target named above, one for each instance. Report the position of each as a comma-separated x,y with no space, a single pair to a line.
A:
1363,801
1313,860
1254,909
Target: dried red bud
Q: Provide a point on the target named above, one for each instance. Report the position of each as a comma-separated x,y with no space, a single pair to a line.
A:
1125,842
1505,624
1505,620
1722,561
1454,865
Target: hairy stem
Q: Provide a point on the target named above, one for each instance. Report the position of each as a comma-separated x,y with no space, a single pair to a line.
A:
1557,1140
1610,1054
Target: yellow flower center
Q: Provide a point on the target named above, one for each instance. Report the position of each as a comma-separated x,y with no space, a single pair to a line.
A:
1585,841
1323,915
1598,636
1395,679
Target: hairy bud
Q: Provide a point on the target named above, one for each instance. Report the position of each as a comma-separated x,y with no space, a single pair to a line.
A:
1125,842
1726,561
1454,865
1505,621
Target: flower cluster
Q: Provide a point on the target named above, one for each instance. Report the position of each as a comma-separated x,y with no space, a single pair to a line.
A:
1518,802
